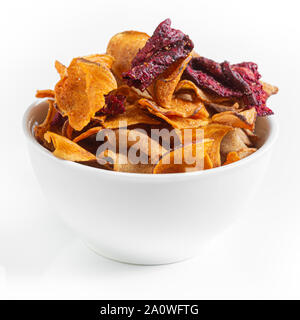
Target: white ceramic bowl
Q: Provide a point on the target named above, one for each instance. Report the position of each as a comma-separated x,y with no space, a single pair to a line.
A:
144,218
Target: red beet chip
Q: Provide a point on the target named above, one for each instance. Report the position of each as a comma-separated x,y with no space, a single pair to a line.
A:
165,47
114,104
238,80
206,81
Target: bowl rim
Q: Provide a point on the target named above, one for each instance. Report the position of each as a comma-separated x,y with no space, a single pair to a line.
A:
269,142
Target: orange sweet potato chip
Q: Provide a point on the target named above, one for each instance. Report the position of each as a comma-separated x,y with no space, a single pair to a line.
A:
132,115
238,155
80,94
175,121
61,69
207,162
67,149
123,47
243,153
103,59
164,87
48,93
245,119
41,129
87,133
269,89
216,132
164,94
182,159
231,157
67,130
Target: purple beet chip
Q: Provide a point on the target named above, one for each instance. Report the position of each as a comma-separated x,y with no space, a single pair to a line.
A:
223,79
165,47
114,104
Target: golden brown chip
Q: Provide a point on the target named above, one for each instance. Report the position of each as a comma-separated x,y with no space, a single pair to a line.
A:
132,115
269,89
80,94
41,129
176,122
48,93
243,153
123,47
245,119
67,149
87,133
216,132
67,130
231,157
182,159
61,69
207,162
164,87
163,92
103,59
238,155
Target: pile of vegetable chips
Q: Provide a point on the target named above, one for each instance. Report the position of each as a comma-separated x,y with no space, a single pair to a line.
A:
153,105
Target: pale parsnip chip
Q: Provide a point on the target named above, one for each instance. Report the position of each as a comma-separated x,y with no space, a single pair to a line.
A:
123,47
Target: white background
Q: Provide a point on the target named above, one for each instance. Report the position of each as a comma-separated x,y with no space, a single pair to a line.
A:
40,258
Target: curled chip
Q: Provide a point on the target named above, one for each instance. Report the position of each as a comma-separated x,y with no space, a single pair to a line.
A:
216,132
238,155
67,149
177,122
80,94
167,95
46,125
87,133
67,130
164,86
165,47
48,93
245,119
132,116
123,47
187,158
